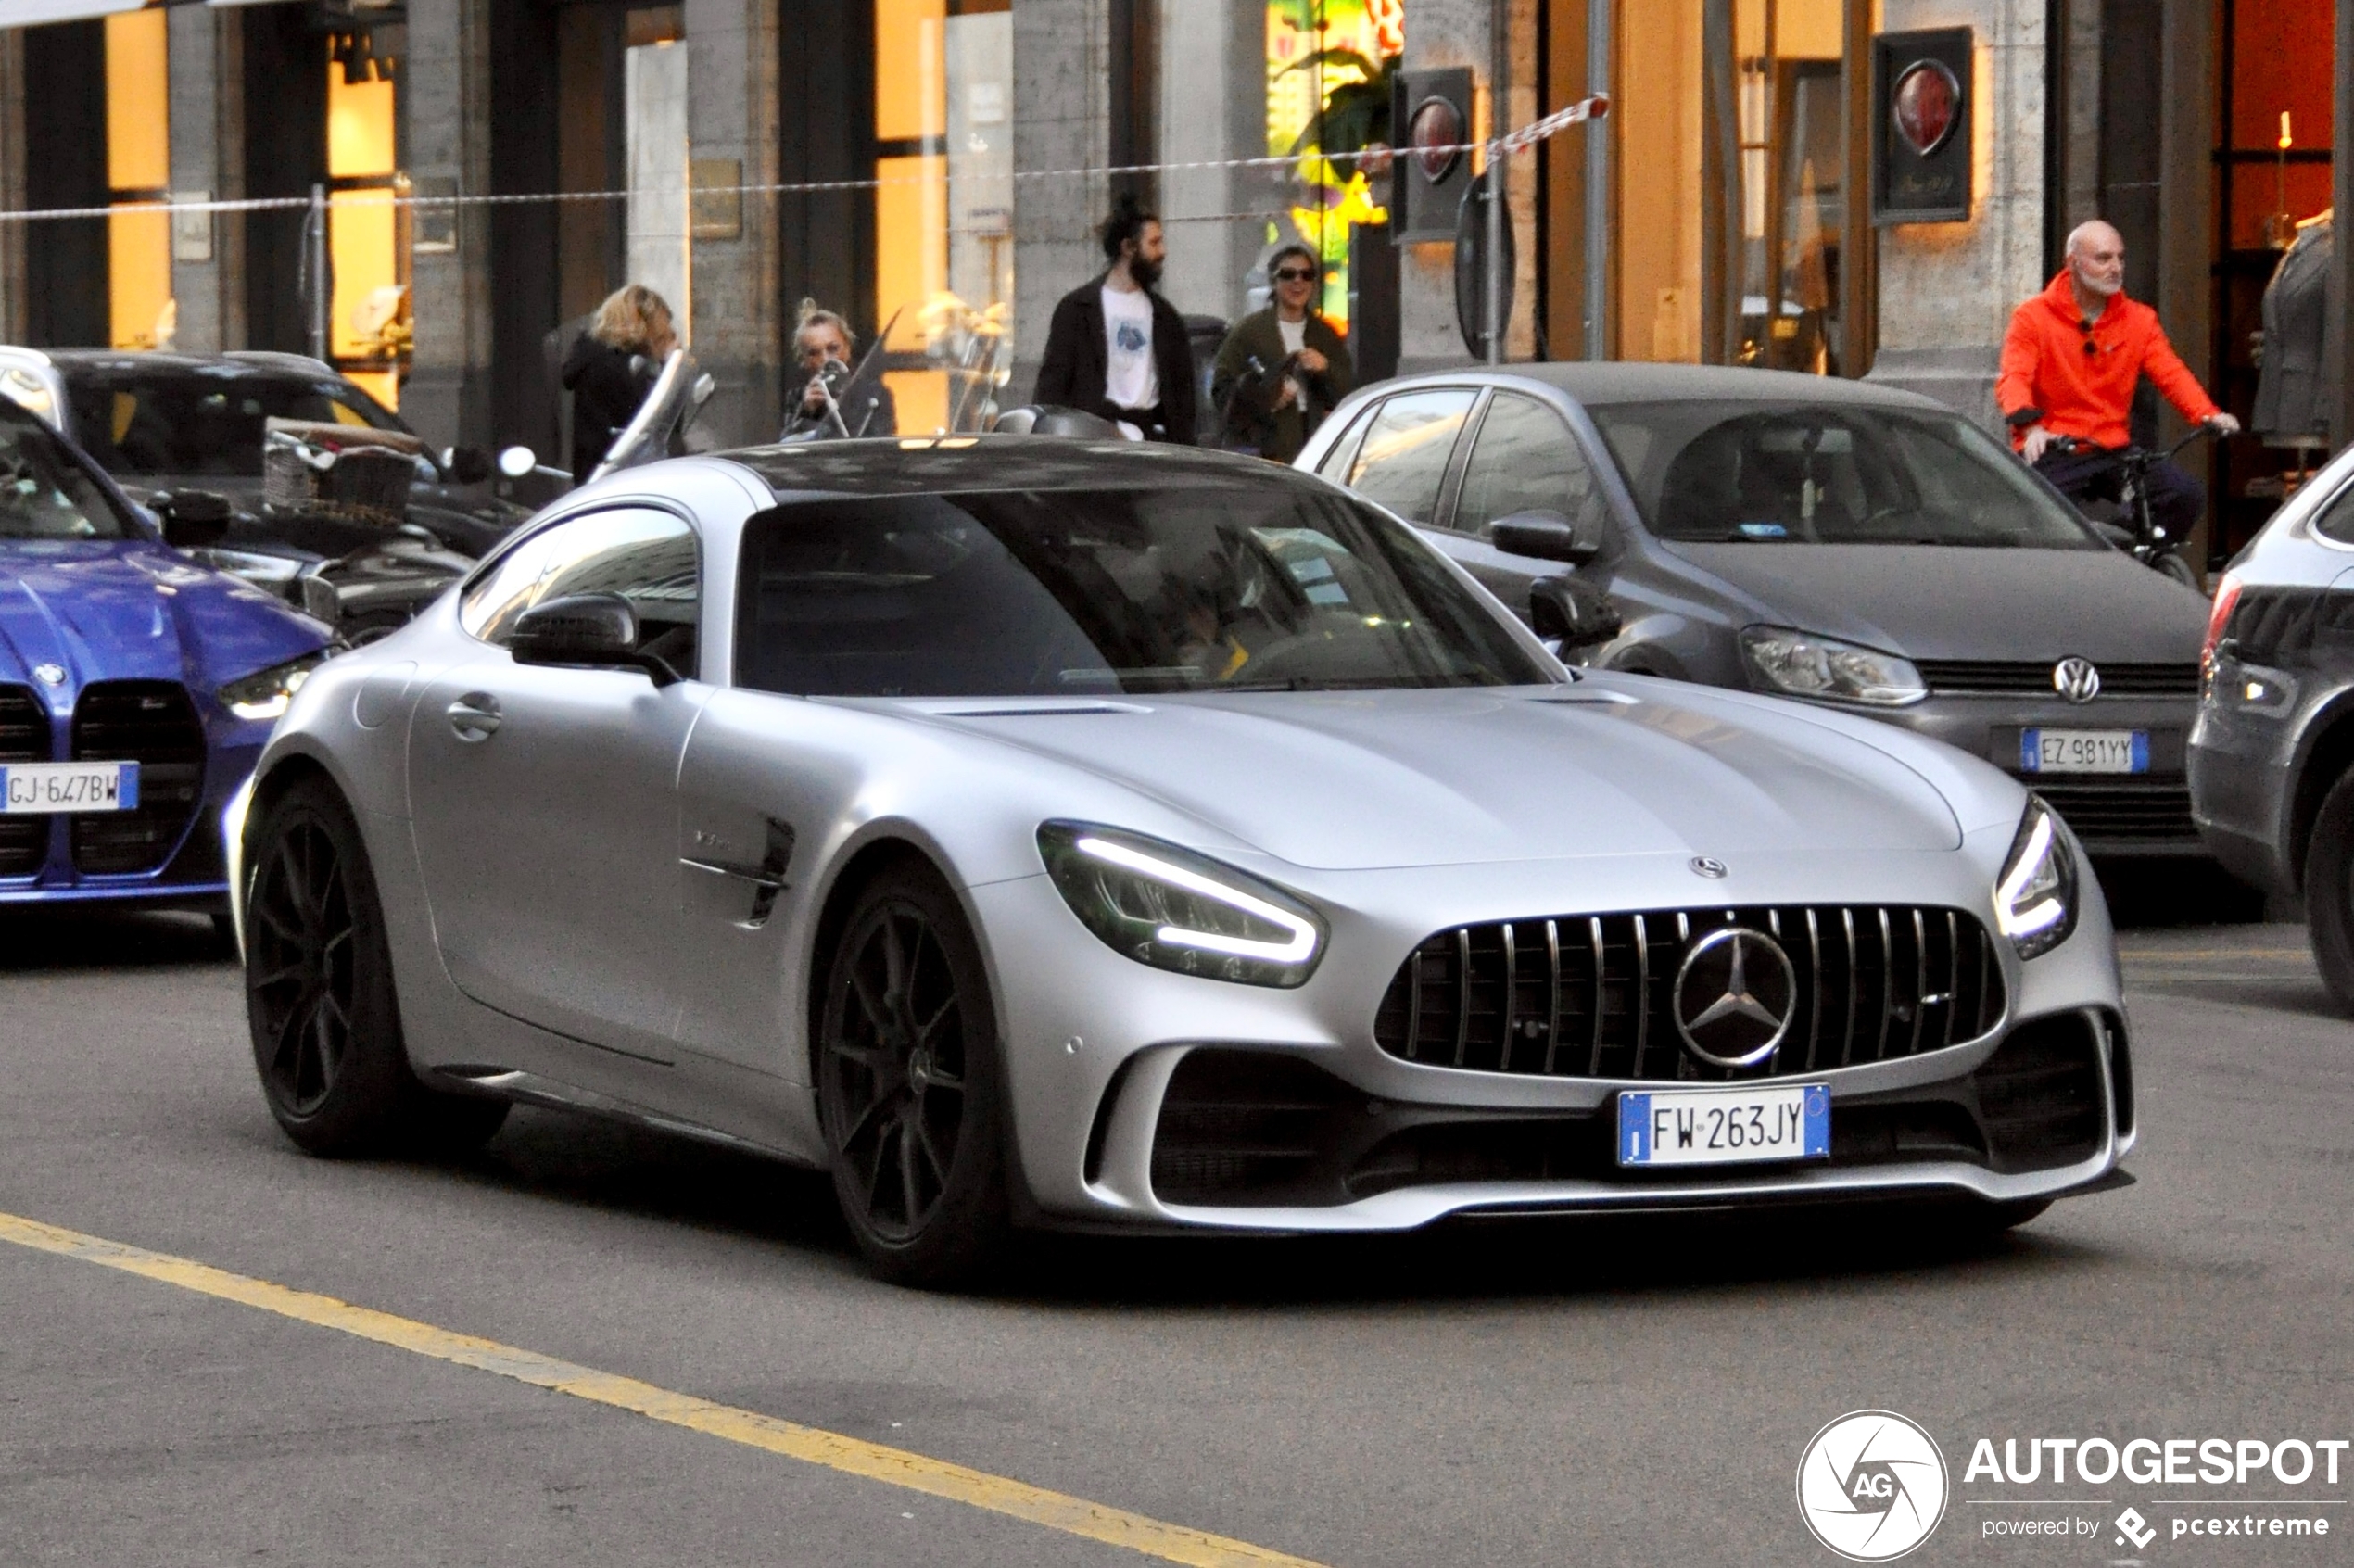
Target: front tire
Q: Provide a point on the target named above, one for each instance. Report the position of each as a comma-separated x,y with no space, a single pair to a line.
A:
910,1086
319,1004
2174,567
2329,892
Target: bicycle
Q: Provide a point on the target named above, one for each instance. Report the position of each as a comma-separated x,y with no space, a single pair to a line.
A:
2133,530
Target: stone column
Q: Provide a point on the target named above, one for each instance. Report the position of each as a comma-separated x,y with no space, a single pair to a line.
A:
446,100
1213,107
1947,290
1062,120
732,135
13,313
207,156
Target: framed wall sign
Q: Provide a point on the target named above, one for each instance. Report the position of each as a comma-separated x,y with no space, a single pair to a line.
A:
1921,126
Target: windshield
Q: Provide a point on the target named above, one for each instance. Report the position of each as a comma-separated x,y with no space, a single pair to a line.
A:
45,494
147,422
1076,593
1790,473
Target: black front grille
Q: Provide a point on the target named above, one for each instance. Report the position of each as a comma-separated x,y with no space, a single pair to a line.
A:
1991,677
2128,812
2039,1095
1593,995
24,737
153,724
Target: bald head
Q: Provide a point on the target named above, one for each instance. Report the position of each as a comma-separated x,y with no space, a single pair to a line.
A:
2096,263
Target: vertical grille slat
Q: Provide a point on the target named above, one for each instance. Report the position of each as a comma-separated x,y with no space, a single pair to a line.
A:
24,737
1474,997
155,724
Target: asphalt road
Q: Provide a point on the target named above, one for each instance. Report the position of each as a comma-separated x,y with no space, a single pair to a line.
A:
1635,1393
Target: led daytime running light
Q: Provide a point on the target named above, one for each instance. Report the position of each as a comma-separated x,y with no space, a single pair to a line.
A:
1296,951
2017,922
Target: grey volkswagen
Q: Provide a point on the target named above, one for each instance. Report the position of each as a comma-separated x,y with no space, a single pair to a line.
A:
1842,543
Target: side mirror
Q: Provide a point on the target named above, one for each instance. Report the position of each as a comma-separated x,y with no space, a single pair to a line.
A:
584,628
192,519
1548,536
468,465
516,462
1573,614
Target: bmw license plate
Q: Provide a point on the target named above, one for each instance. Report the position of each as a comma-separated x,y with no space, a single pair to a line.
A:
34,789
2084,750
1730,1126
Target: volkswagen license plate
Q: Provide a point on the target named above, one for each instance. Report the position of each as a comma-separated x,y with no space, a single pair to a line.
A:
31,789
2084,750
1730,1126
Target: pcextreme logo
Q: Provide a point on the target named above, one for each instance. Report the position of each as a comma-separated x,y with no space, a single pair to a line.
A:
1872,1485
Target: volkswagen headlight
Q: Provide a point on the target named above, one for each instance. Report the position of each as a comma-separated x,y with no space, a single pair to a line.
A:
265,693
2035,896
1177,910
1806,665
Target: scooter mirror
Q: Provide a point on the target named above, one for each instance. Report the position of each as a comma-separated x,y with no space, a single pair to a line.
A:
516,462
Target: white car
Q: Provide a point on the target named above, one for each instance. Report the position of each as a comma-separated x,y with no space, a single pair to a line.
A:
1062,833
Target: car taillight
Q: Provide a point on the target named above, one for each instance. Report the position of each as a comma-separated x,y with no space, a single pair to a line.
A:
2227,595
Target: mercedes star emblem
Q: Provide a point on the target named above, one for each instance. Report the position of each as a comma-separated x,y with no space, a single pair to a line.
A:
2076,679
1710,866
1735,995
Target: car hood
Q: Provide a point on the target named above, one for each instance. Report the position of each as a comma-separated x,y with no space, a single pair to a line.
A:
115,610
1355,781
1930,601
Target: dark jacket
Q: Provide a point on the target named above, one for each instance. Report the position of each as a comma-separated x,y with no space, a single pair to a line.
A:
1249,400
1073,373
867,409
605,395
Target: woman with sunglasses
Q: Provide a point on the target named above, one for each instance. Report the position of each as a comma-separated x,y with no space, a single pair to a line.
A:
1280,370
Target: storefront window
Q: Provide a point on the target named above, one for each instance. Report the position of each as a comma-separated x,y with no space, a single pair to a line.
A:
368,319
1330,64
141,312
1793,145
943,209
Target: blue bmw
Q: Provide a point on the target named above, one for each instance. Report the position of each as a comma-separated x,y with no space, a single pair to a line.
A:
136,689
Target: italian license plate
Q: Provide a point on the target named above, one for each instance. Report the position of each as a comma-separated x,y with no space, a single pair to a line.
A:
1729,1126
2084,750
33,788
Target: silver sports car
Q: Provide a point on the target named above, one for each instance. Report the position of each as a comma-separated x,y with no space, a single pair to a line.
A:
1060,833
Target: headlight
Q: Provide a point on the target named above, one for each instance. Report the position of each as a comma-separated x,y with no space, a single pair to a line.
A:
2035,897
1177,910
1806,665
265,693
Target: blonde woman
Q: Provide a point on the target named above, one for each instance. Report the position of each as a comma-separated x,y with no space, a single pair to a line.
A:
833,402
633,321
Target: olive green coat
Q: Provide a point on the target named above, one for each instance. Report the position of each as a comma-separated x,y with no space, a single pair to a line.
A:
1247,401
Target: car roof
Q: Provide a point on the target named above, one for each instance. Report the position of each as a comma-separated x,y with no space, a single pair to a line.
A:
921,465
259,361
1623,382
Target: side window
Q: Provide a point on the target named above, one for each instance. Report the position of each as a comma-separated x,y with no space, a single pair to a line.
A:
646,557
1405,452
1525,459
2335,521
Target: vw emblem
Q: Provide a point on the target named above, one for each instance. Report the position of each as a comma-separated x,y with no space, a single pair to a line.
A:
1735,996
1708,865
49,675
2076,679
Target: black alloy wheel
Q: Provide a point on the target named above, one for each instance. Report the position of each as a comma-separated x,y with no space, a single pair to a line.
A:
318,994
2329,892
909,1083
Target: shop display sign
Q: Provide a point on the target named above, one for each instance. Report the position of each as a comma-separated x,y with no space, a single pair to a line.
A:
1921,126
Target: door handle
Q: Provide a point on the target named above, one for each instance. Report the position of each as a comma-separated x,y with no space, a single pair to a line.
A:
475,717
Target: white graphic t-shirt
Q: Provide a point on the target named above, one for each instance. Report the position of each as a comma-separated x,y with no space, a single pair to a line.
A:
1131,380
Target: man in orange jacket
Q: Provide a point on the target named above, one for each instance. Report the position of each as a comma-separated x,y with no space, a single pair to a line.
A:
2070,361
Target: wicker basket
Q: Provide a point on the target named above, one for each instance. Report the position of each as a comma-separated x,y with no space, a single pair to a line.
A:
339,469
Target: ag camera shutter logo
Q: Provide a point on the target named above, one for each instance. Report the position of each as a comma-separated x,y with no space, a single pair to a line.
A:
1872,1485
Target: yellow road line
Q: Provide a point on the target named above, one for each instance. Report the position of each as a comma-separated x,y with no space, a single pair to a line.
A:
897,1467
